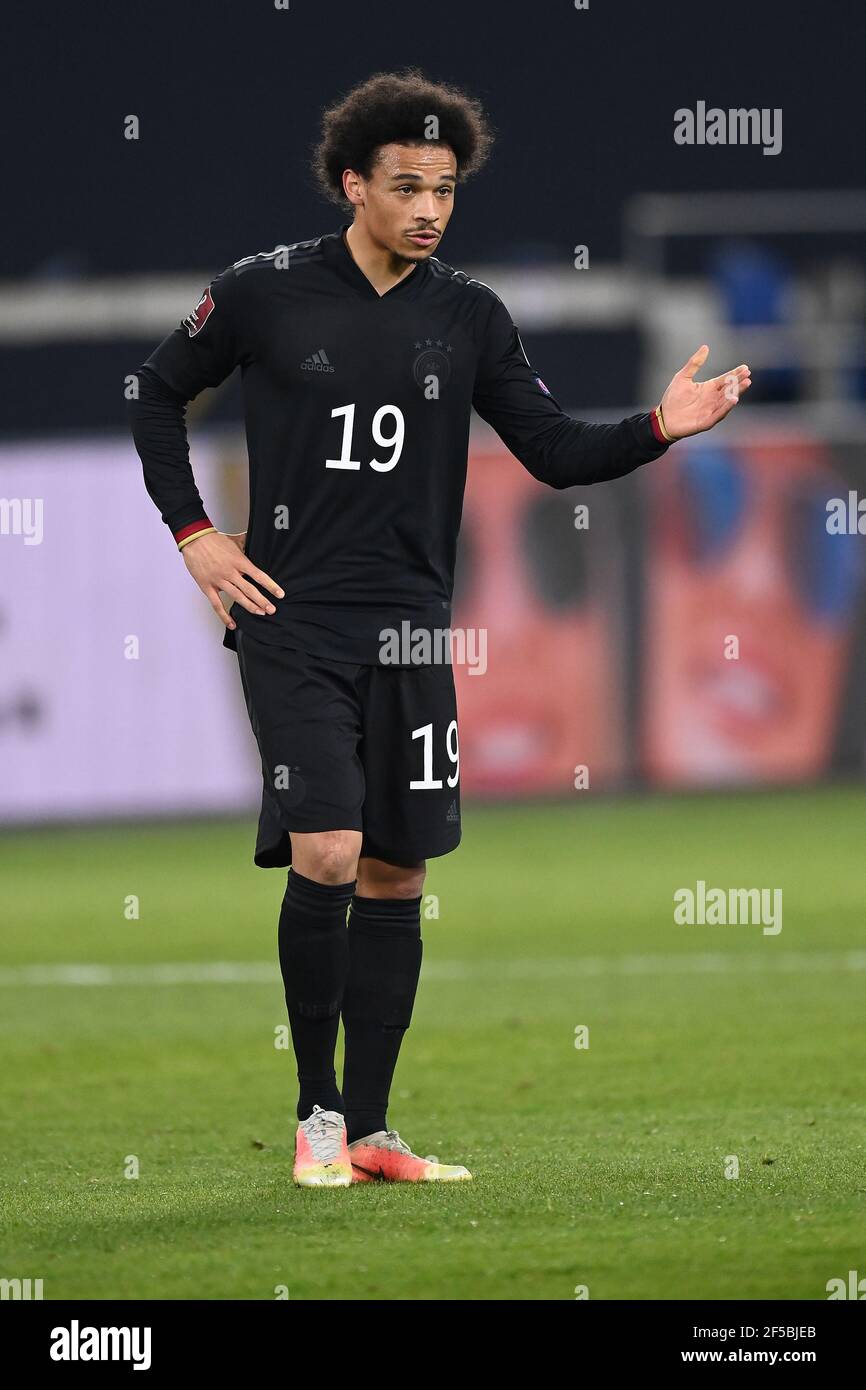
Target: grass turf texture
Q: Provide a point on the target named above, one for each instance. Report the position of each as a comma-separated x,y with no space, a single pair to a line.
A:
601,1167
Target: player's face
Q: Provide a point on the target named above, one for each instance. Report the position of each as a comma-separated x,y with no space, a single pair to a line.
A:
409,198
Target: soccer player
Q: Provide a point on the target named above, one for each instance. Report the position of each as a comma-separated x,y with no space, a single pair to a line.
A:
362,354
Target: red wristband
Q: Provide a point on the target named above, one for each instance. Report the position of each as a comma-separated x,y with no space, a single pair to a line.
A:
189,533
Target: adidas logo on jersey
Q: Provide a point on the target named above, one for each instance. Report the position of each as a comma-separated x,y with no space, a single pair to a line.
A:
317,362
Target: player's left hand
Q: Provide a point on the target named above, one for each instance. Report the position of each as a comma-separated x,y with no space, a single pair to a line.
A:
690,406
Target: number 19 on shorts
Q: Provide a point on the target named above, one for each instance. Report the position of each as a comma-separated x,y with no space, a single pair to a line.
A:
428,782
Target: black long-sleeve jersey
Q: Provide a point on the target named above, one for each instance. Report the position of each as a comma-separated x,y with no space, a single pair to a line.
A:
357,411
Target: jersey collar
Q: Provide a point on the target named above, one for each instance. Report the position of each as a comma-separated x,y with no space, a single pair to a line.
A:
339,258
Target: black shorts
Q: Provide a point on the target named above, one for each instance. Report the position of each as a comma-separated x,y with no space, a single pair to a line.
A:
346,747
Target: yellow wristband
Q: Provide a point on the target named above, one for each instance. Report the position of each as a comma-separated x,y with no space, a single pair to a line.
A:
671,438
206,531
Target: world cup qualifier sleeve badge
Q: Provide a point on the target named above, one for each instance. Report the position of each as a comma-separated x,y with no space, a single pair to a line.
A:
195,322
432,367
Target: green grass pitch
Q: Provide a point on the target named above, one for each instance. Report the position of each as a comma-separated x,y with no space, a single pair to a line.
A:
602,1167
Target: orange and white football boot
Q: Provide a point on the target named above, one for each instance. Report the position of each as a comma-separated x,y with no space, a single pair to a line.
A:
385,1157
321,1153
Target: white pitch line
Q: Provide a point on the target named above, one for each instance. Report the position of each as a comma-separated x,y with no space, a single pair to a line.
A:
255,972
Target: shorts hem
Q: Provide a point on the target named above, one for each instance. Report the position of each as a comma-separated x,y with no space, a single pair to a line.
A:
279,854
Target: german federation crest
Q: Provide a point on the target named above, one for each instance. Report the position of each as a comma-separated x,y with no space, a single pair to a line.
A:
432,361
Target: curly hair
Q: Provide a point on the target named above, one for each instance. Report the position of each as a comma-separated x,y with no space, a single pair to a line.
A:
395,107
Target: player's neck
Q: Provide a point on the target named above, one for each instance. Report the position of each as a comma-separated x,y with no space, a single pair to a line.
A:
382,268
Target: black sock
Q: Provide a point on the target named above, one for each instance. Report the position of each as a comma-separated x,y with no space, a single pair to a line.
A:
314,959
384,966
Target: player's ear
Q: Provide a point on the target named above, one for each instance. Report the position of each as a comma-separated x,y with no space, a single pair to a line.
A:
353,187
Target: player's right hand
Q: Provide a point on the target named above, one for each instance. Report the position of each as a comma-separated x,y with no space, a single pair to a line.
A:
218,564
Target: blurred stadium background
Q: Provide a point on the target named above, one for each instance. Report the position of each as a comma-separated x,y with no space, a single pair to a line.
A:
606,642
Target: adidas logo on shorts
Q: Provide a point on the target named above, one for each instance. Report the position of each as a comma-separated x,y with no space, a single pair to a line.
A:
453,815
317,362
